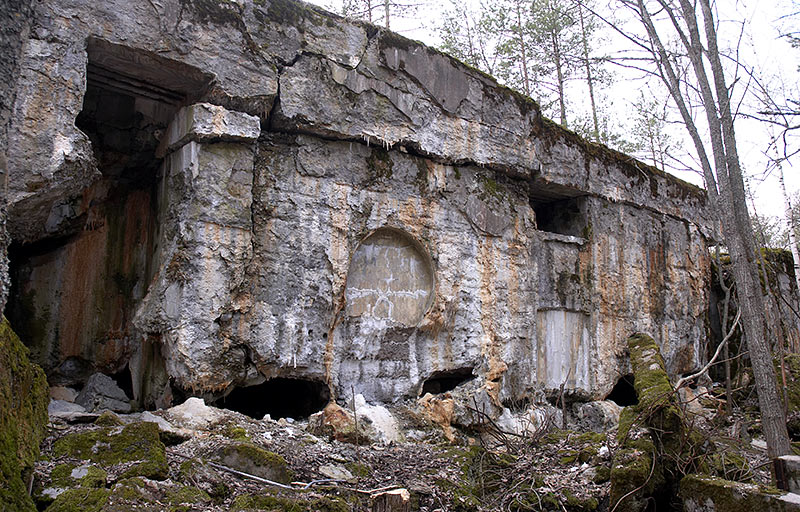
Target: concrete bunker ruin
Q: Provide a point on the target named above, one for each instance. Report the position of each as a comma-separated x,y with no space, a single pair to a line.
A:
328,202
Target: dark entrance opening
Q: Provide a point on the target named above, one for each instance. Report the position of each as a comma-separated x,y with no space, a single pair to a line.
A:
124,380
446,380
279,397
623,393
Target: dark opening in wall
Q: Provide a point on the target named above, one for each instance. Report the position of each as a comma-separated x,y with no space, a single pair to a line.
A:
447,380
279,397
562,216
124,380
81,269
623,393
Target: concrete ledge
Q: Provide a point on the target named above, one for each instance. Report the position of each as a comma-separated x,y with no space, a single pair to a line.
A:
702,493
203,122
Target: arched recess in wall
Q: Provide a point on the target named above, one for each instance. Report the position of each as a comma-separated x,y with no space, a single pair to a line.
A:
390,278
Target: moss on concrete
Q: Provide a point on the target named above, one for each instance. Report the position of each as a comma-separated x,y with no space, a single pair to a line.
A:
650,464
250,502
186,497
253,459
137,442
82,499
23,419
727,496
70,475
632,469
358,469
235,432
379,165
108,419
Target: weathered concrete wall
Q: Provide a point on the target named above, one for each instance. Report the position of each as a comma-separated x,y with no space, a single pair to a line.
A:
317,200
15,19
346,206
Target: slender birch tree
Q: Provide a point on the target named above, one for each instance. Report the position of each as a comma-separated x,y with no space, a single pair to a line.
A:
693,25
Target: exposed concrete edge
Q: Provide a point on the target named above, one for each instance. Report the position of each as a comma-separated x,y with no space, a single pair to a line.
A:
204,122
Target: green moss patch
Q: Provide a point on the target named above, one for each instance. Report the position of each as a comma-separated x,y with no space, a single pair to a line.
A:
108,419
23,418
184,498
727,496
253,459
250,502
137,442
82,499
70,475
235,432
358,469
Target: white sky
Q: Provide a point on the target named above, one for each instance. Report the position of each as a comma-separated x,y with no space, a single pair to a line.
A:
760,47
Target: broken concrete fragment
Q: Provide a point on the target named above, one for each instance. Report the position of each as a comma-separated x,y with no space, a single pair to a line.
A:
59,408
439,409
379,419
598,416
254,460
63,393
338,423
335,472
70,412
194,414
792,472
100,393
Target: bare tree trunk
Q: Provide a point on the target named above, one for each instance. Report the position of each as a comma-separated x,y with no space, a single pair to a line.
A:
560,76
523,53
386,11
726,191
773,419
589,79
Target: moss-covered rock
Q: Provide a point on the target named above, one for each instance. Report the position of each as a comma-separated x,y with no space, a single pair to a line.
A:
184,498
730,465
137,442
132,494
255,460
23,419
68,476
108,419
358,469
721,495
233,431
250,502
634,469
71,475
82,499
